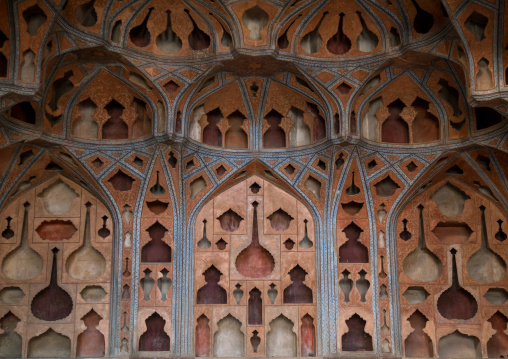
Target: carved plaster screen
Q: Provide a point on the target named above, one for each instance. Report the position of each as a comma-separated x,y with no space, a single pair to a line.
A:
253,178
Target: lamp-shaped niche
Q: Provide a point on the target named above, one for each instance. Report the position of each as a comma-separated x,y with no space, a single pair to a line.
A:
156,250
255,261
297,292
212,292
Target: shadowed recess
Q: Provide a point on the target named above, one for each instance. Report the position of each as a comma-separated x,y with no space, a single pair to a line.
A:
203,334
418,344
154,338
281,341
157,207
280,220
255,307
356,339
297,291
386,187
156,250
452,232
56,230
352,207
352,251
497,346
211,292
121,181
230,220
91,342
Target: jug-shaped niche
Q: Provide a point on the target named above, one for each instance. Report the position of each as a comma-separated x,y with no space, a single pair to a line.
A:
86,262
485,265
23,263
255,261
421,264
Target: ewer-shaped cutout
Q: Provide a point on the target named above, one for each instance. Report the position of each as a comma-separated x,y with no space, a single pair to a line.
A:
421,264
255,261
164,283
86,262
339,43
485,265
23,263
346,284
352,190
52,303
456,302
306,243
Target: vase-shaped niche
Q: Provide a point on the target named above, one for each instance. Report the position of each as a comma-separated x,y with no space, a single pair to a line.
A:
485,265
418,344
362,285
86,262
421,264
255,261
52,303
346,284
91,342
497,346
204,243
156,250
228,340
147,283
23,263
272,293
456,302
356,339
155,338
203,334
10,341
308,337
297,292
255,340
238,293
164,283
212,292
281,340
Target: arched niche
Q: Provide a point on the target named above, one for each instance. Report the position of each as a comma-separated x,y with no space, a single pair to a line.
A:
243,265
58,249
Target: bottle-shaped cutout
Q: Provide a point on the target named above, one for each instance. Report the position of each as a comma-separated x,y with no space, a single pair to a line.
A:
362,285
147,283
126,293
168,41
127,214
104,231
339,44
157,189
124,346
8,233
382,273
255,261
86,262
306,243
282,41
500,235
346,284
272,293
238,293
311,42
381,239
352,190
52,303
204,243
255,307
456,302
381,213
226,39
421,264
198,39
164,283
255,340
125,327
126,272
423,20
485,265
23,263
140,35
384,328
367,40
405,235
127,242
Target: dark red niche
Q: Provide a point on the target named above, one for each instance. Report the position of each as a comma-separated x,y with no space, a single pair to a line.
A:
155,338
91,343
254,188
274,137
336,124
319,125
255,261
156,250
386,187
497,346
178,122
425,126
418,344
289,244
212,292
171,86
121,181
308,337
353,251
56,230
104,231
395,129
157,207
140,35
423,20
203,334
230,220
211,133
221,244
255,307
486,117
52,303
282,41
343,89
236,137
198,39
172,161
59,88
297,292
339,43
115,128
255,340
280,220
356,339
290,169
220,170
